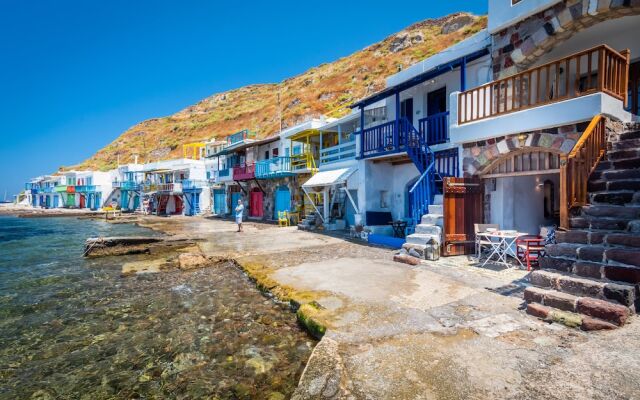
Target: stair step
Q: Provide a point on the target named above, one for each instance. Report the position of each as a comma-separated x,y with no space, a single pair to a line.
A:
629,135
436,209
569,319
611,312
601,223
611,211
432,219
422,238
623,294
614,272
625,144
429,229
618,197
625,154
438,199
613,185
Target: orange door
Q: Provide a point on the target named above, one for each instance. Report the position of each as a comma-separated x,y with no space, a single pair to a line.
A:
462,208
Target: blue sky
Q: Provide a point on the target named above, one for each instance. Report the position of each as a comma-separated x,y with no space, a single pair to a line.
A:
75,74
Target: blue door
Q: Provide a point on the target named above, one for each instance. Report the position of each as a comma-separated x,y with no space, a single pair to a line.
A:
97,200
136,202
55,201
283,200
351,212
124,200
234,199
219,201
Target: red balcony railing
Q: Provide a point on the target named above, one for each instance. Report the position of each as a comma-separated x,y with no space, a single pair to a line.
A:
600,69
244,172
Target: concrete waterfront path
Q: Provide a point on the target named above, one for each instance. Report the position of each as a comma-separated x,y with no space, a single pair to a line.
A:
444,330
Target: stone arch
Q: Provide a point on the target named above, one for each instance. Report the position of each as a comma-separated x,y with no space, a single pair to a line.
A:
523,161
517,47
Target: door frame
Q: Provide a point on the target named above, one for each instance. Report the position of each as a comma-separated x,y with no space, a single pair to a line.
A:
462,208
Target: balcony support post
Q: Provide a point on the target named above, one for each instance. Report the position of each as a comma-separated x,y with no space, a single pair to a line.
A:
361,131
463,74
397,125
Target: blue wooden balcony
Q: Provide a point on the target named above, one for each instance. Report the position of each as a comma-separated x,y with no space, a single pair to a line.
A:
435,128
277,167
85,188
126,185
341,152
189,185
387,138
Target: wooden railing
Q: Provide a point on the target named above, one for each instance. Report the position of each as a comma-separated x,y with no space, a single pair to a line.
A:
600,69
577,166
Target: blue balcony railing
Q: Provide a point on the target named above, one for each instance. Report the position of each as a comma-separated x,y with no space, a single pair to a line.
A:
435,128
224,173
341,152
85,188
127,185
240,136
190,184
386,138
274,168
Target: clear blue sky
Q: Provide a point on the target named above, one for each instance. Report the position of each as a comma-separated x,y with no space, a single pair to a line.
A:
75,74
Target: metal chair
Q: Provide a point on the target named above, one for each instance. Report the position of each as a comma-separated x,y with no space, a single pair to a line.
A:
479,242
283,218
529,249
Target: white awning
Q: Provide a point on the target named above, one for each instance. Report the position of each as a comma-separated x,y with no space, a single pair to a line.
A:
330,178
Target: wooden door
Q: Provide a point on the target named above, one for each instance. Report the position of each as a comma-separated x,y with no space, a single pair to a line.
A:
462,207
255,203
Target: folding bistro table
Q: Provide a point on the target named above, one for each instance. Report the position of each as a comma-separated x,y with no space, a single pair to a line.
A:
502,245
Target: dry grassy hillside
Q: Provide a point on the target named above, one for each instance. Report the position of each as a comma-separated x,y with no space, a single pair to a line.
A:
327,89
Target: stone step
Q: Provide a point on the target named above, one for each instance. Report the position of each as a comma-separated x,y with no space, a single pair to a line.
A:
595,253
610,211
615,174
438,199
569,319
624,154
618,197
599,223
429,229
436,209
629,135
609,270
422,238
611,312
613,239
613,185
432,219
623,294
625,144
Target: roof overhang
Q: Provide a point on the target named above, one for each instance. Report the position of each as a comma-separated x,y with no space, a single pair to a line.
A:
330,178
422,77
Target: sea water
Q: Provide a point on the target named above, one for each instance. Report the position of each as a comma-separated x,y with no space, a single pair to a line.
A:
73,328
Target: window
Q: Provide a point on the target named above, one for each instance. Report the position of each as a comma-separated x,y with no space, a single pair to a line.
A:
266,155
275,152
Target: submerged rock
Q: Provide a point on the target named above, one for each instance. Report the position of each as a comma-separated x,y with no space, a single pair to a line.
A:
187,261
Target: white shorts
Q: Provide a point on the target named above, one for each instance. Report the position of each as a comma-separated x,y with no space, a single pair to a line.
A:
239,220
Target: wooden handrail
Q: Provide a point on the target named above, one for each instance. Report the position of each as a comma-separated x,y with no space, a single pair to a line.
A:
599,69
577,166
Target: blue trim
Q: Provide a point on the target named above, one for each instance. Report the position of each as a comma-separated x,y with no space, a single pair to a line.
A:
388,241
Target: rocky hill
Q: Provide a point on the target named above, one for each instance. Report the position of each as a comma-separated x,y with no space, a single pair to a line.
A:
327,89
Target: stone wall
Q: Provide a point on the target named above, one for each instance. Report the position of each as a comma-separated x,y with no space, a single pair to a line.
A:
294,183
515,48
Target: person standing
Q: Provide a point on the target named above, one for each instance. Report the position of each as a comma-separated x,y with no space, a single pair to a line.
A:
239,212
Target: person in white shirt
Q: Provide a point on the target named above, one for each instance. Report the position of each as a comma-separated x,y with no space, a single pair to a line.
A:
239,211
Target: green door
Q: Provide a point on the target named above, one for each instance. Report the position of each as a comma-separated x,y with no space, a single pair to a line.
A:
71,200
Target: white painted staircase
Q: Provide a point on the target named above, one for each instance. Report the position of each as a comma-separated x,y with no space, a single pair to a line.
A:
430,227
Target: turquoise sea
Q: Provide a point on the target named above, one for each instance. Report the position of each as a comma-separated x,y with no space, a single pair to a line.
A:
73,328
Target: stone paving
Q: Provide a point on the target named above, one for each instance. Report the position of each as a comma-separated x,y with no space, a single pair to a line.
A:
439,330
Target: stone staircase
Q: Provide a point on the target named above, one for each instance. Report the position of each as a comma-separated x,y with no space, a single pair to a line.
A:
430,228
591,277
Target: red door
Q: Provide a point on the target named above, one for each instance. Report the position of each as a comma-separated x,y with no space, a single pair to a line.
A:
462,208
82,201
255,203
